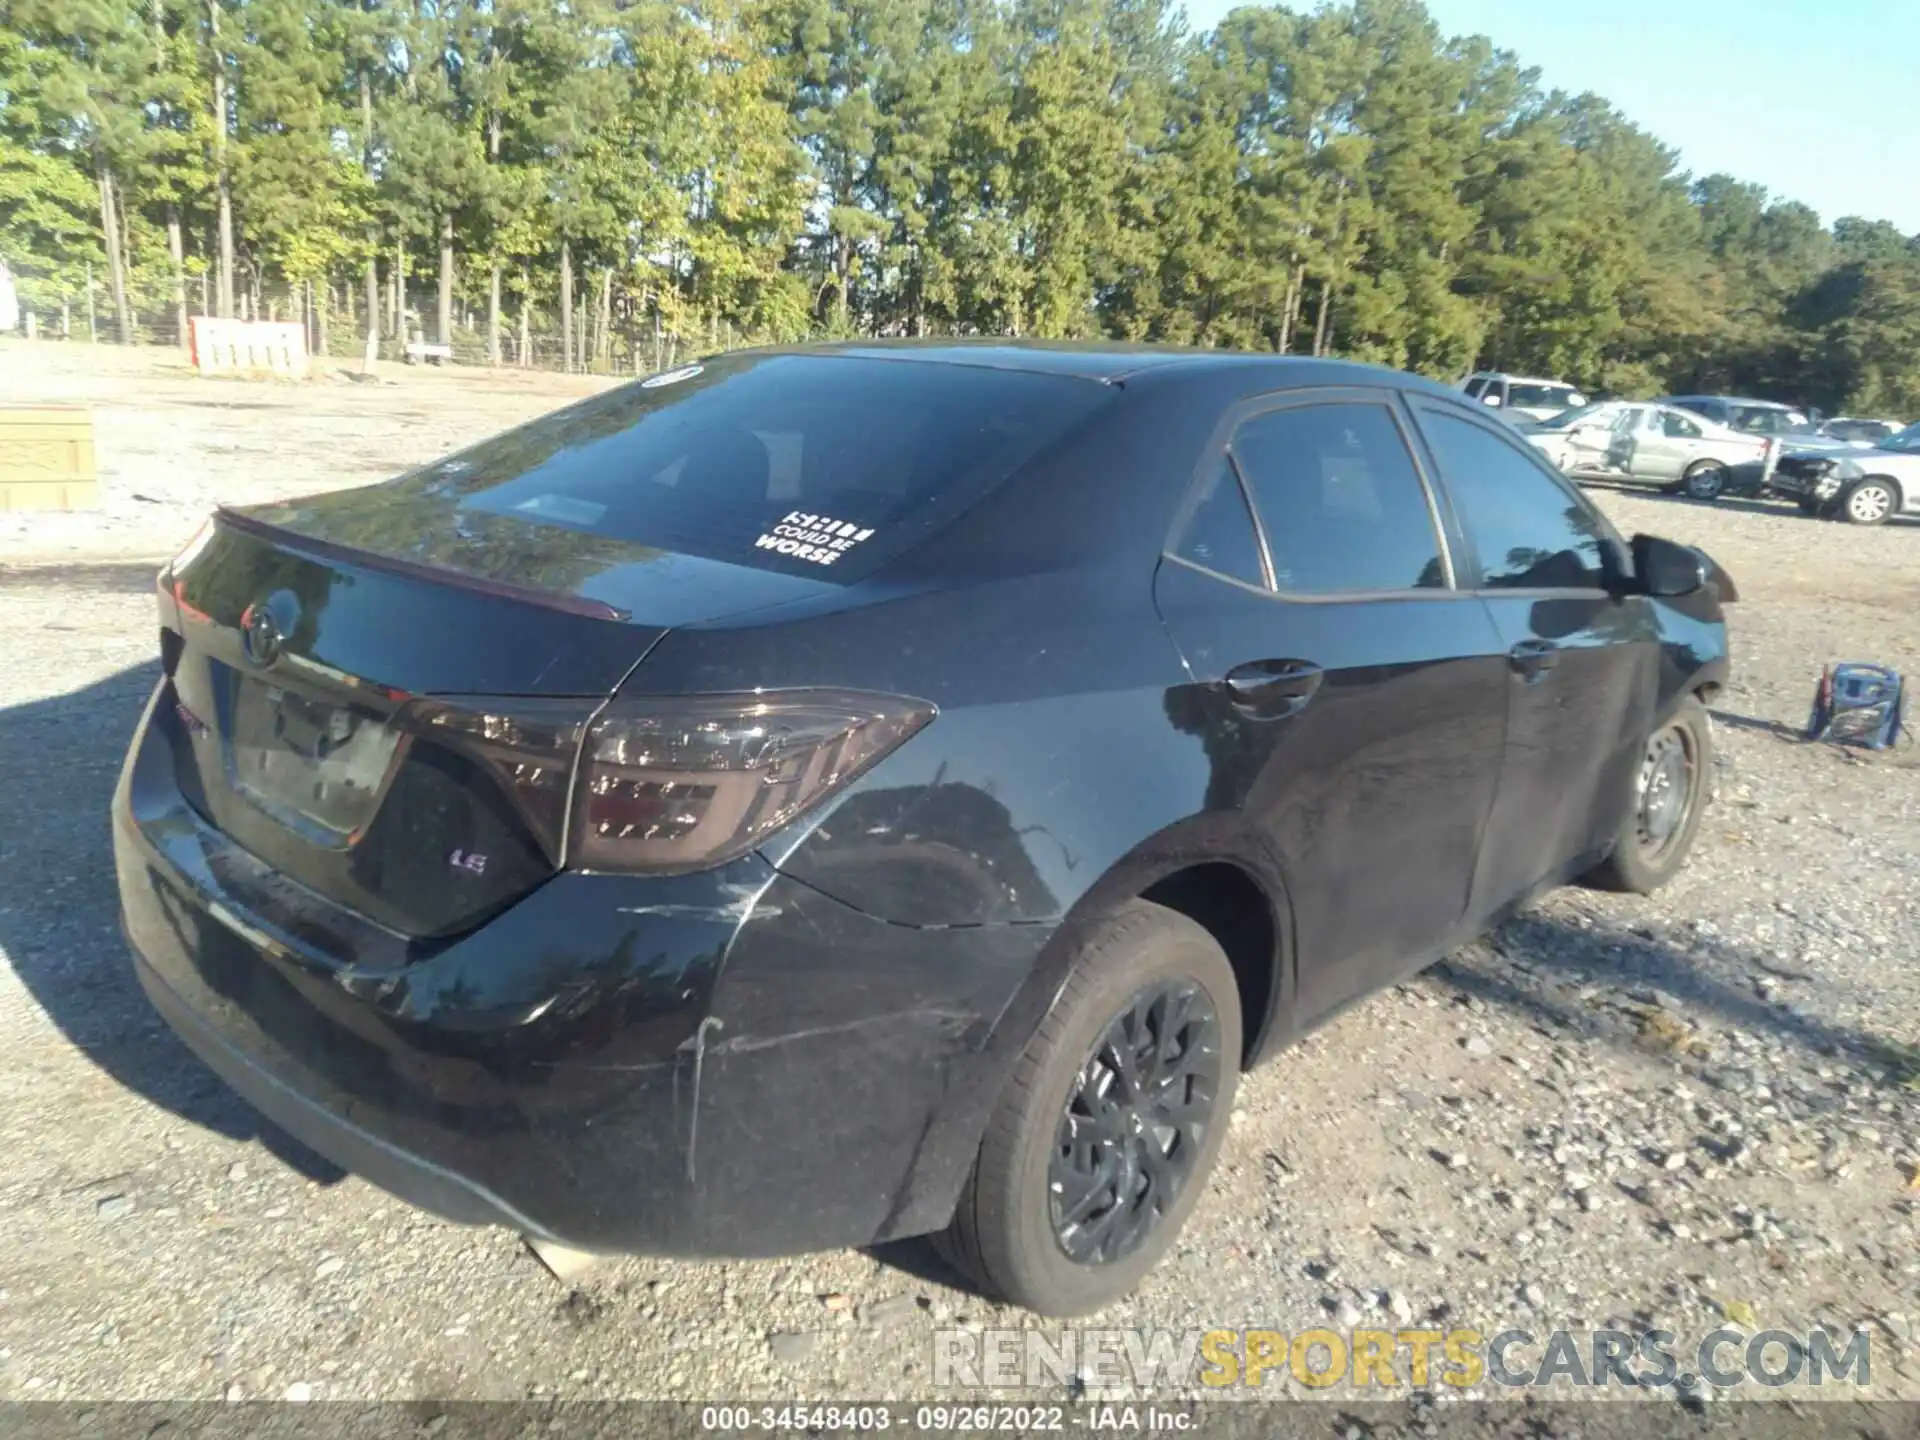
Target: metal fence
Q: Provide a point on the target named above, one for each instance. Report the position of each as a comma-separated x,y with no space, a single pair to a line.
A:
625,346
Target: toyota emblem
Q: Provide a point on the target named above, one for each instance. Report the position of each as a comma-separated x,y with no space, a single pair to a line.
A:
260,637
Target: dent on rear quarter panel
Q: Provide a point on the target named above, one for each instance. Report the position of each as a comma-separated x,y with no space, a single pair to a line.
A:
1052,754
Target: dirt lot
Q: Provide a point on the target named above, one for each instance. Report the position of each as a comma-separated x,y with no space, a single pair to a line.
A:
1689,1111
172,444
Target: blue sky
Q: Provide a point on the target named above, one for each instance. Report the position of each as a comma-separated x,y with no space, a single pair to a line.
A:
1818,100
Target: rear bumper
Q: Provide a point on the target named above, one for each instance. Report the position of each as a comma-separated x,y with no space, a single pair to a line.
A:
720,1064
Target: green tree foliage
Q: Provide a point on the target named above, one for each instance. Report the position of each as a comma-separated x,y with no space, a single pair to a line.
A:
611,182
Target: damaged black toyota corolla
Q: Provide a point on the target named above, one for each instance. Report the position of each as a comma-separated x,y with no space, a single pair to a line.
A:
818,797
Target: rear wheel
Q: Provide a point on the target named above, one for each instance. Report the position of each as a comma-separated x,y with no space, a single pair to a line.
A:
1670,792
1704,480
1869,502
1110,1125
1810,506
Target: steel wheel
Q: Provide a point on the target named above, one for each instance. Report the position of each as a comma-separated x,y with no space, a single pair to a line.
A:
1705,482
1137,1117
1669,780
1869,503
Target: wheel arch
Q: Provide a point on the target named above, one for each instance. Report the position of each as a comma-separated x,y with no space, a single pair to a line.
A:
1210,870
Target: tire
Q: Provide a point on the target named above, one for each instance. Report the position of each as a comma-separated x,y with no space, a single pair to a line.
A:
1006,1234
1869,502
1704,480
1810,506
1649,850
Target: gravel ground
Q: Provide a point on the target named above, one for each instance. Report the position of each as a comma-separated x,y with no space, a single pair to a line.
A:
1689,1111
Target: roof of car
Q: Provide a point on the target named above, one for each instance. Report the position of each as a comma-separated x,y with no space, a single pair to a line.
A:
1523,379
1110,362
1730,400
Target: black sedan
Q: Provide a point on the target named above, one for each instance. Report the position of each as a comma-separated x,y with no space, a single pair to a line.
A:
823,796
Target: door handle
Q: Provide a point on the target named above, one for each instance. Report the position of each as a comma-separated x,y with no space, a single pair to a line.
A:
1531,659
1273,689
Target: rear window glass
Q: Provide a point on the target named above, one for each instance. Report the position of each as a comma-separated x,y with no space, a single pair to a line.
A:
815,465
1765,420
1540,397
1859,429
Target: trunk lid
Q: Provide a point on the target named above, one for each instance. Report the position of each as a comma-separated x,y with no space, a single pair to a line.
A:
397,731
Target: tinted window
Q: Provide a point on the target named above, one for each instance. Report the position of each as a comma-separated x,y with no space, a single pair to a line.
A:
1220,535
1543,397
1859,430
1475,386
1765,420
1531,532
811,464
1339,499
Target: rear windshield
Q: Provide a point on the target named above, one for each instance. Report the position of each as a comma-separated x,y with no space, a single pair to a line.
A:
1859,429
1601,414
1766,420
1527,395
818,465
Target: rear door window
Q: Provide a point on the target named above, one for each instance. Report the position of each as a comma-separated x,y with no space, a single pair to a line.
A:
1339,499
1530,529
819,465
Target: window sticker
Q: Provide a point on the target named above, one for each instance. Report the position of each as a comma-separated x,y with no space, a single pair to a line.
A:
818,539
671,377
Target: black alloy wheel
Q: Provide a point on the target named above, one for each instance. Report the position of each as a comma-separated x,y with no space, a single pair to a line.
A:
1101,1143
1135,1122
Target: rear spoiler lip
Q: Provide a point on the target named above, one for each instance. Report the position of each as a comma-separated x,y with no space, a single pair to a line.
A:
416,570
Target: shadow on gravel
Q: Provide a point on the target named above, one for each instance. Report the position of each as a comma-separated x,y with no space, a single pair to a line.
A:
1775,728
1650,994
59,911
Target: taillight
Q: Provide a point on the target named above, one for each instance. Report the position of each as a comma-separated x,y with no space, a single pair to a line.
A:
677,784
527,746
668,785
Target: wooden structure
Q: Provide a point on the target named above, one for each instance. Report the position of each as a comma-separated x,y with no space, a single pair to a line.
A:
46,458
249,347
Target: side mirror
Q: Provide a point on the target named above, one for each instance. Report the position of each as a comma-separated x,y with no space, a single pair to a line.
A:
1667,570
1490,398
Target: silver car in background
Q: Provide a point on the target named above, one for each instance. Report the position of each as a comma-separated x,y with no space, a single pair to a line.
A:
1649,443
1863,487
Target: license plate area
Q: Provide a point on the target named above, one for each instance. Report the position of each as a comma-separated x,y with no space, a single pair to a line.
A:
316,764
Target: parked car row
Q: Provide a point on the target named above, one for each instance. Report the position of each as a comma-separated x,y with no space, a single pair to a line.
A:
1859,468
1680,451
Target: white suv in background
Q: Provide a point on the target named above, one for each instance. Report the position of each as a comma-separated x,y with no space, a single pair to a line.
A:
1523,397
